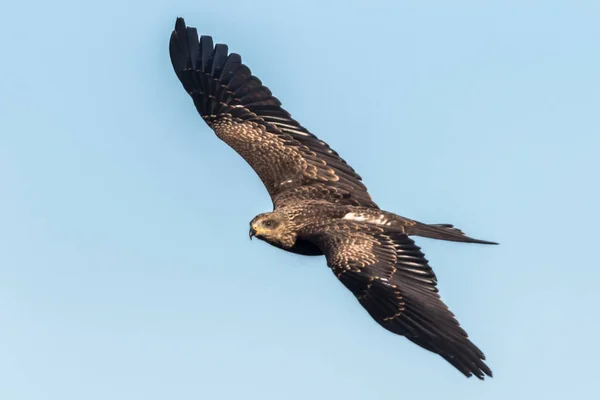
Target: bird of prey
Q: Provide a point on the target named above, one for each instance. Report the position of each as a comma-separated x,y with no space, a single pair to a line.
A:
321,206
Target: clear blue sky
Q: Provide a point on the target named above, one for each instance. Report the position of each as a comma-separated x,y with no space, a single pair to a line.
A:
125,266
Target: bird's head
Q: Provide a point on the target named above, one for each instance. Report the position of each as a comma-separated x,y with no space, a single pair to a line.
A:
274,228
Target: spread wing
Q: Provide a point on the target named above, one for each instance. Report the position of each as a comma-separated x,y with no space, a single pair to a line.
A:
391,278
292,163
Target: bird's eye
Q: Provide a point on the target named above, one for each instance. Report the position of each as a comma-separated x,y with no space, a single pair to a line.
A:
268,223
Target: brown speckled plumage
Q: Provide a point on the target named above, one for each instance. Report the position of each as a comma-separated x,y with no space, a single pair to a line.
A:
321,207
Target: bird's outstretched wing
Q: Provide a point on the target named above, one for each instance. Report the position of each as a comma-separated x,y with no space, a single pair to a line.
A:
393,281
292,163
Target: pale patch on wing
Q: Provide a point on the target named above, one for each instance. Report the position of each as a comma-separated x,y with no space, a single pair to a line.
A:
286,182
356,217
381,219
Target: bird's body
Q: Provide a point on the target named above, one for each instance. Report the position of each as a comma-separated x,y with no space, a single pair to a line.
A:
321,206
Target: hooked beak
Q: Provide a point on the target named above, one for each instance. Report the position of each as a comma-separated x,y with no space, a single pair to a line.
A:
252,232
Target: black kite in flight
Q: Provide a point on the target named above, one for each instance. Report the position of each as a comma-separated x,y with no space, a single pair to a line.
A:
321,207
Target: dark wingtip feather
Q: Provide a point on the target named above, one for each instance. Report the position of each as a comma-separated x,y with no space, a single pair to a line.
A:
234,61
220,54
193,48
180,24
469,367
206,50
178,47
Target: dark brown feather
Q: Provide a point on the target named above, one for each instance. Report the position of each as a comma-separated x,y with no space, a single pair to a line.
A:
292,162
393,281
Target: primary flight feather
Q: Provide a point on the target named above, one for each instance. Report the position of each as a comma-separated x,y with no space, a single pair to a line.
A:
321,206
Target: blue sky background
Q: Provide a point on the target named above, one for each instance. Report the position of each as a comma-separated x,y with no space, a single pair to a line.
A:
125,266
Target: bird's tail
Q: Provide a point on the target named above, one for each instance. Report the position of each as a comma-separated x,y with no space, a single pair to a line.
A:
443,232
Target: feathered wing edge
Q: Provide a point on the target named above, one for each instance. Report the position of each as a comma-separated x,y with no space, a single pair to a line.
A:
222,87
393,281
